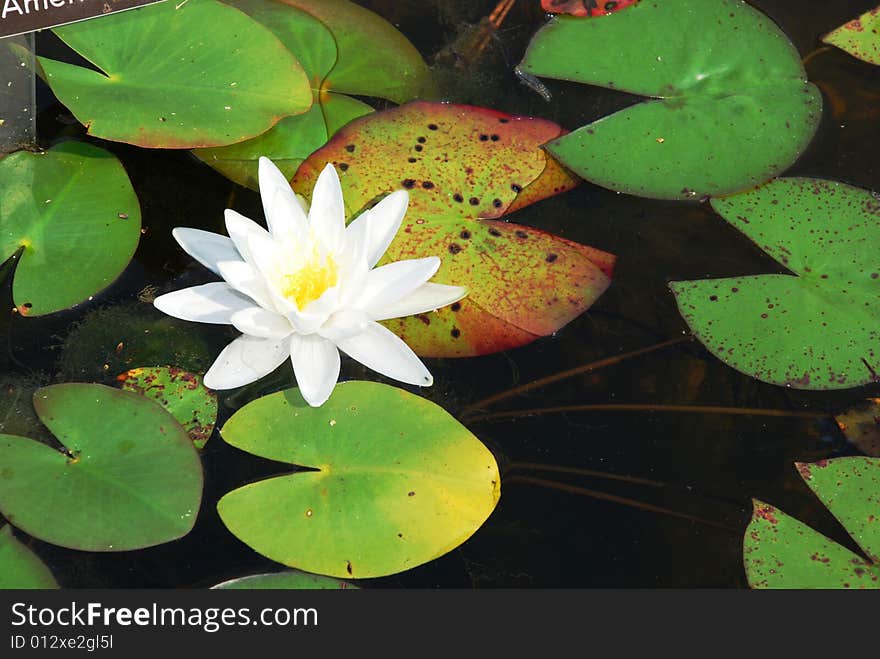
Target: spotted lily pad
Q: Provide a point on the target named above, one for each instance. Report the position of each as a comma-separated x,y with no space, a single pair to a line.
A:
464,167
729,106
394,481
818,327
20,567
344,49
73,216
288,580
128,476
181,393
164,80
585,7
781,552
860,37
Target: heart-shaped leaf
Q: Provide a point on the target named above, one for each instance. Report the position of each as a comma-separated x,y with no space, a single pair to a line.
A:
164,80
181,393
343,49
860,37
74,214
395,482
288,580
781,552
585,7
818,329
129,477
19,566
730,105
464,165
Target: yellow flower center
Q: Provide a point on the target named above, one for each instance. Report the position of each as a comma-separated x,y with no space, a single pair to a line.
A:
311,281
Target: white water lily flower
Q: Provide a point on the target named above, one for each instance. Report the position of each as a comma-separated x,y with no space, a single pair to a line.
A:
307,288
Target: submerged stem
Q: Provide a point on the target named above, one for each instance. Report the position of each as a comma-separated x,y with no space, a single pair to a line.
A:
572,372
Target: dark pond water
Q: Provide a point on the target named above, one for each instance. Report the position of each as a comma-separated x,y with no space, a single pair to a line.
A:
573,510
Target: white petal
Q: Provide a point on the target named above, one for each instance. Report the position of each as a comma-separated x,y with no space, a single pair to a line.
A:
285,215
205,247
327,214
383,351
344,325
427,297
246,360
208,303
316,365
239,229
257,321
245,279
387,284
384,221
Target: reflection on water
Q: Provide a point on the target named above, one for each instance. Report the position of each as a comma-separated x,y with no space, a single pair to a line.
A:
605,496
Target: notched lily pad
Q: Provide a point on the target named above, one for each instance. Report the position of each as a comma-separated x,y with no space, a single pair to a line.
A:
180,393
288,580
726,111
128,476
463,167
859,37
163,80
20,567
817,328
394,481
781,552
72,217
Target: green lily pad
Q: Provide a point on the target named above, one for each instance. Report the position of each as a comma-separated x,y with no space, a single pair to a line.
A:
463,167
167,81
730,104
344,49
129,477
20,567
818,328
289,580
180,393
860,37
781,552
74,214
396,481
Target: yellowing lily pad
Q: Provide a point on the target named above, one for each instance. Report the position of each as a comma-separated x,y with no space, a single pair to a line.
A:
727,106
287,580
818,327
19,566
344,49
781,552
181,393
395,481
464,166
860,37
72,212
128,476
178,75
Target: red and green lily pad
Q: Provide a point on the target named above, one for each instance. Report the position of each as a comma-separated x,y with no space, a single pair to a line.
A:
816,327
71,215
464,167
585,7
180,393
287,580
21,568
128,476
164,80
728,105
781,552
860,37
344,49
394,481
